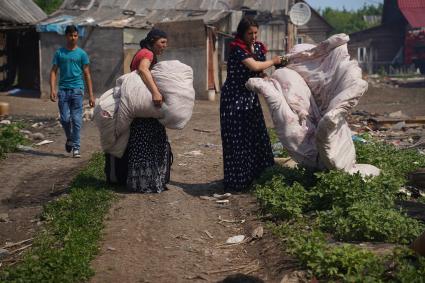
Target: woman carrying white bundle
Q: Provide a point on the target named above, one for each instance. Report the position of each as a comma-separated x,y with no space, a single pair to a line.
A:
148,151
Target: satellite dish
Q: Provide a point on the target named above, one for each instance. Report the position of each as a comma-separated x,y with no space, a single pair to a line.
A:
300,14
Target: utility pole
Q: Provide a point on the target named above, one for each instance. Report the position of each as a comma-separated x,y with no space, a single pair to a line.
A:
290,28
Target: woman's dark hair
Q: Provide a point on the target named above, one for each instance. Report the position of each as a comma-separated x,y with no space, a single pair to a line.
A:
244,25
71,29
150,39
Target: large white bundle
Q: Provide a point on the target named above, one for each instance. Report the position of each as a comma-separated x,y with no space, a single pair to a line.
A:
105,119
294,125
130,98
175,82
336,85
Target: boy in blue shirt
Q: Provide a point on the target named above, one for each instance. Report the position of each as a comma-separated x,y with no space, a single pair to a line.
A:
73,64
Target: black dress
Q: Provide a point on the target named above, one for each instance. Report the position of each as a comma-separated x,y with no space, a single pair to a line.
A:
246,145
147,156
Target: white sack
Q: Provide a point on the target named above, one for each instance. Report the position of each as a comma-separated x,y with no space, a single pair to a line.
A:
105,119
175,83
130,98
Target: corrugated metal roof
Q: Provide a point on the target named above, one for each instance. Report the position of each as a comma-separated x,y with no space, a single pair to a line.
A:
20,11
414,11
136,5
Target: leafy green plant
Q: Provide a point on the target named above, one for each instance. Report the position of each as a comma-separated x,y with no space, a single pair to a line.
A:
369,221
349,208
282,200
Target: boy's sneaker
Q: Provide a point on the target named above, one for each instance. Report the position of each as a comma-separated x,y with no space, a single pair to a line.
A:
68,146
76,153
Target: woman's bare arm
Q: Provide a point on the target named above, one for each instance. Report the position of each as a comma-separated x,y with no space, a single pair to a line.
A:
147,78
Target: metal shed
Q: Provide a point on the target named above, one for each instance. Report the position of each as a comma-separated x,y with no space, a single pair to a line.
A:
19,61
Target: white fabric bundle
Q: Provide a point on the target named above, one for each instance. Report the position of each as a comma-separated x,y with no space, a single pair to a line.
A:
309,101
130,98
105,119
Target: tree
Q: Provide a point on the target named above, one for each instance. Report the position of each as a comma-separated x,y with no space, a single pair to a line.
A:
49,6
345,21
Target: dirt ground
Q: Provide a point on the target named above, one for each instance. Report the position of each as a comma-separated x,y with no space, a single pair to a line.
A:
175,236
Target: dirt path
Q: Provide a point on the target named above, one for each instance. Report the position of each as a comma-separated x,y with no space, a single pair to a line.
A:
176,236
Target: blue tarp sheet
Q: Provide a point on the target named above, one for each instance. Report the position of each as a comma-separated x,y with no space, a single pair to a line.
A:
59,24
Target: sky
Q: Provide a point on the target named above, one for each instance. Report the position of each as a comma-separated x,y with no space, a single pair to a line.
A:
339,4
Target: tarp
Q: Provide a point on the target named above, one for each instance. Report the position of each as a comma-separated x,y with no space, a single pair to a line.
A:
58,25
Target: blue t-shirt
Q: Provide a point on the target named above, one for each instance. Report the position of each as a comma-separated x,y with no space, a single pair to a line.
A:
70,64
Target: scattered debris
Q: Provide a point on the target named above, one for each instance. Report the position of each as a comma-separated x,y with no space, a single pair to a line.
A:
297,276
210,145
221,220
5,122
4,253
9,245
235,239
207,198
202,277
193,153
109,248
223,196
37,136
222,201
21,249
24,147
44,142
37,125
182,164
257,233
4,217
208,234
202,131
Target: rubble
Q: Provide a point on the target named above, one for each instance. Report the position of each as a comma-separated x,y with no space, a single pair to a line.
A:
394,128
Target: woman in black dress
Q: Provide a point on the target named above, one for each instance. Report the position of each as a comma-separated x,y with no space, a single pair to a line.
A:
148,145
246,145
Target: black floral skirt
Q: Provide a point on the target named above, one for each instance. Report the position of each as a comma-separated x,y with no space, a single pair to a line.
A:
147,156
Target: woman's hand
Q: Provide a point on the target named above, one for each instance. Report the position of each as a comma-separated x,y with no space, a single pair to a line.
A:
276,60
157,99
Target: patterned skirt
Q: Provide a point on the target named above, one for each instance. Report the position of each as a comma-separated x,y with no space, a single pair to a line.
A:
147,156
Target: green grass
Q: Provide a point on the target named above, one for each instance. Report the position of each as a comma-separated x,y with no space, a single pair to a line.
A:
63,249
10,138
313,210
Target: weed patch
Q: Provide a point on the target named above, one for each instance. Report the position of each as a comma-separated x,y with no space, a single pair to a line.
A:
314,210
10,138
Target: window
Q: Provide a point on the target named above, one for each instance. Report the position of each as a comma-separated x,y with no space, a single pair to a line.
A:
300,39
361,54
